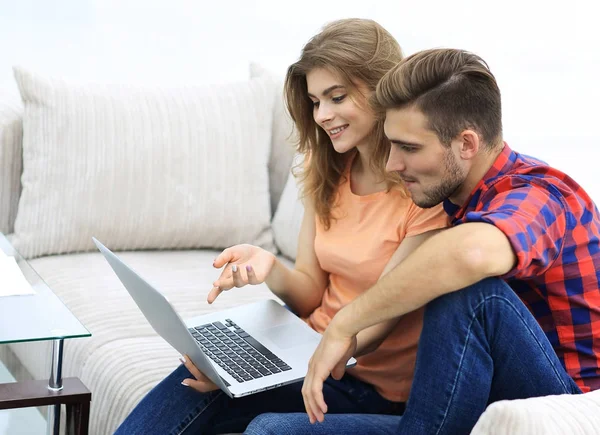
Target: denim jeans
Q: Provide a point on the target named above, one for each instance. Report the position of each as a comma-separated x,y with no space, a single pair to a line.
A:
478,345
171,408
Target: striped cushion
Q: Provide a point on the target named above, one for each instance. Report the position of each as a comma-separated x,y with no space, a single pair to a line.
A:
143,168
283,137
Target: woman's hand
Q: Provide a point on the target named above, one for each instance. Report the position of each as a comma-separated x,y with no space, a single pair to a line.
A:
200,382
244,264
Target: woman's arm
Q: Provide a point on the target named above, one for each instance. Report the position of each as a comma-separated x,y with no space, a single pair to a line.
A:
369,339
301,288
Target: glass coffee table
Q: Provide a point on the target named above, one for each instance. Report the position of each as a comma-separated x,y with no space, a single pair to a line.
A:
38,317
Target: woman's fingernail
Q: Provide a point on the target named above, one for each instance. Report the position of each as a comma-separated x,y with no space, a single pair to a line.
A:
248,268
185,384
234,268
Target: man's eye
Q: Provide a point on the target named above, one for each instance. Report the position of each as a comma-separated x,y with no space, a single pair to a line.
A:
406,148
339,99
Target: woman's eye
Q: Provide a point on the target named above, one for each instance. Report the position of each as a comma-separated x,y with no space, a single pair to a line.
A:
339,99
315,104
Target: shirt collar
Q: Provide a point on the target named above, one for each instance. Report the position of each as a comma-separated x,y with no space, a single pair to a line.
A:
503,163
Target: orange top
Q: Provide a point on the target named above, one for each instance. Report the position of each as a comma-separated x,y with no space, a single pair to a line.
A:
363,236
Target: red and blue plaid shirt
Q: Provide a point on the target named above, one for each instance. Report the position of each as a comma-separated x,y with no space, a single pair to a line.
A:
554,229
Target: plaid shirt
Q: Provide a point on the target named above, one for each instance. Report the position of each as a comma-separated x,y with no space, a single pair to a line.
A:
554,229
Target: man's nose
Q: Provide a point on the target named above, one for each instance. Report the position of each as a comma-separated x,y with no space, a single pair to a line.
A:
395,161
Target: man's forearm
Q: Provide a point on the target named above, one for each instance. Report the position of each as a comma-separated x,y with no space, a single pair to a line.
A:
447,262
369,339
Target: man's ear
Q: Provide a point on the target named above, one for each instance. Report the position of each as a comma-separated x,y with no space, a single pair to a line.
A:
470,144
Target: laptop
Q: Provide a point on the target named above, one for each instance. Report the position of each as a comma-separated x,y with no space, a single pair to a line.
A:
244,350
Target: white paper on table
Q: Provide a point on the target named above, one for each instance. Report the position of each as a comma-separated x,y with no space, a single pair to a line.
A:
12,280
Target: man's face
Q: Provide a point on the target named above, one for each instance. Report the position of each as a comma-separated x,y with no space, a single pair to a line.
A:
431,171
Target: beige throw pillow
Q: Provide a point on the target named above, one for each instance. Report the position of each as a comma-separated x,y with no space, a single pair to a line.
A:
283,139
143,168
288,217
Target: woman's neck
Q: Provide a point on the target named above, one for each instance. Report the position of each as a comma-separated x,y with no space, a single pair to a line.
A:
363,180
361,163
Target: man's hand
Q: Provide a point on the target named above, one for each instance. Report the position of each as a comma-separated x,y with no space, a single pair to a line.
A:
330,357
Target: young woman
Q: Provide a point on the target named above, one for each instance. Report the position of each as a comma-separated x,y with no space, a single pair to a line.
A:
358,224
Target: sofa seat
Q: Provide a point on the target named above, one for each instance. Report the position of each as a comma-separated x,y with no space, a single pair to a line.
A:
124,358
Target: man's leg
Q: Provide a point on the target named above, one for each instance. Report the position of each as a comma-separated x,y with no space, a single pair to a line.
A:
347,424
478,345
171,408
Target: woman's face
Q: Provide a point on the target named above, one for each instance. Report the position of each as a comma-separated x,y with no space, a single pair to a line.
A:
347,124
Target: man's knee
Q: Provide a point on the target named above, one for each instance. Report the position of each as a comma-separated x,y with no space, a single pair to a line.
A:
469,297
266,424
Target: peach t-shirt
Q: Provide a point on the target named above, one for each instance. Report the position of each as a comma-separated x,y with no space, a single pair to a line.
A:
354,251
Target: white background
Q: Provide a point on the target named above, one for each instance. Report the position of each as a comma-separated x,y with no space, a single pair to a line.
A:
545,54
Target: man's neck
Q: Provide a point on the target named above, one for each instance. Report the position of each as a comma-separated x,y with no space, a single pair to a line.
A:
481,166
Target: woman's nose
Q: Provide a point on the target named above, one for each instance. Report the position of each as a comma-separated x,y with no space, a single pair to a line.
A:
323,114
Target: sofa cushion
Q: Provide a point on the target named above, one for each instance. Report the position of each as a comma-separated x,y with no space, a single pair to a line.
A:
283,138
11,134
549,415
124,358
143,168
288,217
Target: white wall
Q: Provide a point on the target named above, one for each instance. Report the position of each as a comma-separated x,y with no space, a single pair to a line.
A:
545,54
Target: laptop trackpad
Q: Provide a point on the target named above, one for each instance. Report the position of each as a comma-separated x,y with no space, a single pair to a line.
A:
289,335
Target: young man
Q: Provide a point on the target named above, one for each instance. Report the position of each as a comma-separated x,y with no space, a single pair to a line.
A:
511,289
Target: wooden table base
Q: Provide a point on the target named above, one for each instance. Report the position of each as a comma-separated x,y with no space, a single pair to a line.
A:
74,395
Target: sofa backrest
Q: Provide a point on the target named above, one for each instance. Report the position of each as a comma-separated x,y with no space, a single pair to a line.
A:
11,135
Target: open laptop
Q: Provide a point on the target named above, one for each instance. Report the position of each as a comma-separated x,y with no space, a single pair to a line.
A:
244,350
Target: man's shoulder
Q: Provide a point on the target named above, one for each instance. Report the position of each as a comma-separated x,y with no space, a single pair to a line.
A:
527,173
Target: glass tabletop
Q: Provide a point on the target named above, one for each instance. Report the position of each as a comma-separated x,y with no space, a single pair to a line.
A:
35,317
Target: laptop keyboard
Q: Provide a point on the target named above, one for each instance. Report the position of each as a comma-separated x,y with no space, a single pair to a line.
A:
236,351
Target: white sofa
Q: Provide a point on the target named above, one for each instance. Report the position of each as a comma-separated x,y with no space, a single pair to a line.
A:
112,162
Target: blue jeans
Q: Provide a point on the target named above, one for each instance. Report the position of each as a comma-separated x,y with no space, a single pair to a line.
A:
171,408
478,345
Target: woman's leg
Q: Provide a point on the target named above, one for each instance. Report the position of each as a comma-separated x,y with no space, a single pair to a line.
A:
171,408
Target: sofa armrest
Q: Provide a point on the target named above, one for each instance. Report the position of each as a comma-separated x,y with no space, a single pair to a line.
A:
549,415
11,162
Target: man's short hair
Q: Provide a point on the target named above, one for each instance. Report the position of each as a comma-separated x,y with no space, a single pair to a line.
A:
454,89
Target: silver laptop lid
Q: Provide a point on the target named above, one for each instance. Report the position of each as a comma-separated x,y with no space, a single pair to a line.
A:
160,314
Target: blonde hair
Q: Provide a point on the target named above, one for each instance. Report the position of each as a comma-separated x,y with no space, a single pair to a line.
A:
357,51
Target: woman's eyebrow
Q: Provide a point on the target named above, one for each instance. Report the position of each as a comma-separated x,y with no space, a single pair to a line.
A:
328,90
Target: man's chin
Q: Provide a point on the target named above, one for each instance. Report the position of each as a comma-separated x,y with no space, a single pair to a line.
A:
424,202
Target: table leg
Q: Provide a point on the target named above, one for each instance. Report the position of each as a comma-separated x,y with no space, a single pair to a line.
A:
55,384
78,418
